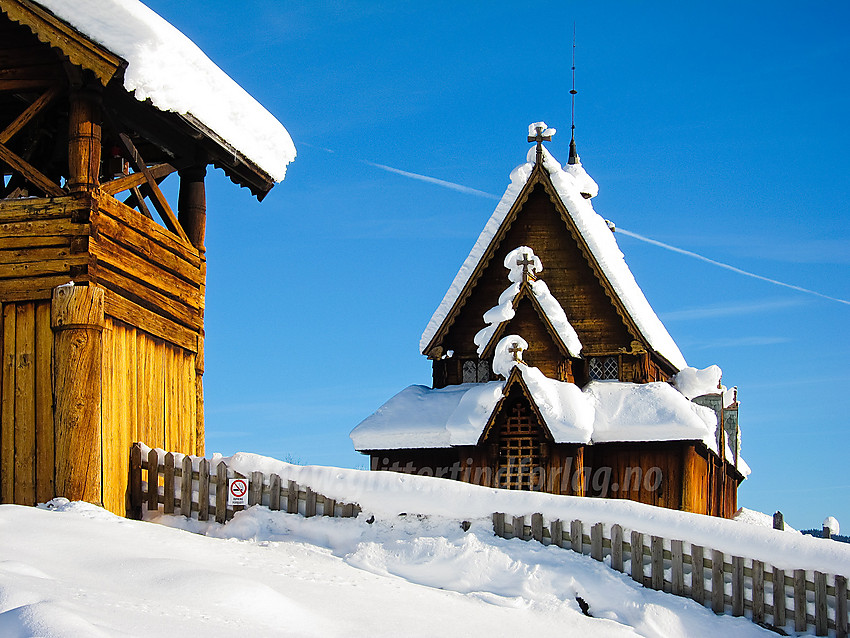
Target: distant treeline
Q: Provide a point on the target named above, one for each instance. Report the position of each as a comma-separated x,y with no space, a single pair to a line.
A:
818,533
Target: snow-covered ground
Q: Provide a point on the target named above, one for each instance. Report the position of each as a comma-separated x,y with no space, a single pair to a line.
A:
77,570
73,569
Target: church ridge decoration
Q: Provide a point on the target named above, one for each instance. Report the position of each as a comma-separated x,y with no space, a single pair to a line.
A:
605,392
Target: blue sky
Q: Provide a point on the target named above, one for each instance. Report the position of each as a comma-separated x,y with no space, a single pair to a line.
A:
717,128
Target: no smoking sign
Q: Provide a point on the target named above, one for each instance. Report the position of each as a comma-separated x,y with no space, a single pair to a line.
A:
237,491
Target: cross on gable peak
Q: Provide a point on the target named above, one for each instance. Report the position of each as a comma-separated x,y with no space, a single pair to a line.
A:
516,351
539,132
525,262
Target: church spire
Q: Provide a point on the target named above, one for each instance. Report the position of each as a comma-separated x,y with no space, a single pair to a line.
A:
573,154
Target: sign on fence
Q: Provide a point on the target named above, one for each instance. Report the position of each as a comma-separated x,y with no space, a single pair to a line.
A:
237,491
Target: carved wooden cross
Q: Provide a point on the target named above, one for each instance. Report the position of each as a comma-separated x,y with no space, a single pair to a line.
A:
539,138
525,262
516,351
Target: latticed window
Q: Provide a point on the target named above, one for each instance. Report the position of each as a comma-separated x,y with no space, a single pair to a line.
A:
604,368
519,450
476,371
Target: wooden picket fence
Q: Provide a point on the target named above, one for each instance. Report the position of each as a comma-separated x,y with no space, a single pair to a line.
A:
163,484
739,585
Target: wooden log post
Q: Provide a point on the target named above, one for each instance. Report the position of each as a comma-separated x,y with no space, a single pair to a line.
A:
77,320
200,438
329,507
192,204
698,574
310,503
84,139
617,547
292,497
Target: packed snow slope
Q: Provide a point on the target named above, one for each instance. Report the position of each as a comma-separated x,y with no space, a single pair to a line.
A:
77,570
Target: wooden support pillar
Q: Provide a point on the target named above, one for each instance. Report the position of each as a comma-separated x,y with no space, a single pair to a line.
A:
84,143
192,204
77,320
200,442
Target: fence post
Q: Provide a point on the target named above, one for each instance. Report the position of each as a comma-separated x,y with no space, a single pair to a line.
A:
800,620
737,586
656,557
499,524
617,547
677,568
537,527
556,532
779,618
596,541
221,493
576,533
718,593
698,574
136,481
186,487
518,526
168,484
310,504
329,507
153,481
637,557
821,618
274,492
292,498
204,490
758,591
841,606
255,494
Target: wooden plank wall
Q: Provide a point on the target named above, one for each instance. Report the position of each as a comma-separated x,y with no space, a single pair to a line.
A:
40,244
148,395
27,440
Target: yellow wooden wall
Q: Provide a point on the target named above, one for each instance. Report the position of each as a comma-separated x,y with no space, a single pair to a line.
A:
148,396
27,439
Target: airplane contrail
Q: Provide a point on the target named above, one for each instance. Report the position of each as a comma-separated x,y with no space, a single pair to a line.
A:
714,262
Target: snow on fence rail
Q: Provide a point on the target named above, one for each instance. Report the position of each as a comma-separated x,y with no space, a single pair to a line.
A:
165,484
728,583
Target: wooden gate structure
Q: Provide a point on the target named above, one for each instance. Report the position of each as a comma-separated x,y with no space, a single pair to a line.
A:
102,283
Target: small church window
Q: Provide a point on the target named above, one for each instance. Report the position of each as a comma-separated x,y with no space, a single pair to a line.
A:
604,368
476,371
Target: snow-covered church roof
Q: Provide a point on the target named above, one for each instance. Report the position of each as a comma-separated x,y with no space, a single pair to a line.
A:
571,184
167,68
602,412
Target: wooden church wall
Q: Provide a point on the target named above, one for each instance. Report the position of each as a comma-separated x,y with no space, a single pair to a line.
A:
565,271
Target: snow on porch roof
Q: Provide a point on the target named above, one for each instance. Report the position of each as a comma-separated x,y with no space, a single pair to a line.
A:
604,411
167,68
599,239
